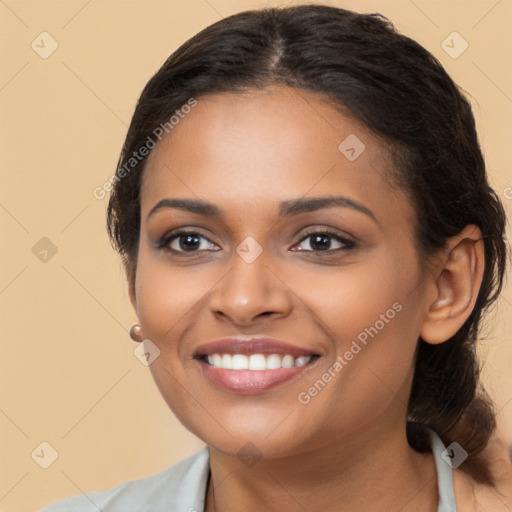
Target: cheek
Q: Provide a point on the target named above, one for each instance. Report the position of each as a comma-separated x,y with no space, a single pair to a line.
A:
371,312
167,294
375,296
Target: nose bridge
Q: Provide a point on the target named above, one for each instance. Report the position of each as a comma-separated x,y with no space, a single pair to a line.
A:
249,288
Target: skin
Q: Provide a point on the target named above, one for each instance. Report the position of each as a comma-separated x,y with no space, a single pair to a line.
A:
346,449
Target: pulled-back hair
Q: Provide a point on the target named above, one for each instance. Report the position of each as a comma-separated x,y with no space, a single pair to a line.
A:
364,67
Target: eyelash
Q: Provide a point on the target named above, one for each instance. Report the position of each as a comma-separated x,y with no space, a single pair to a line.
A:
347,243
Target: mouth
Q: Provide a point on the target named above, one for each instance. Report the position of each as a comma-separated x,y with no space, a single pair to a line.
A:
252,366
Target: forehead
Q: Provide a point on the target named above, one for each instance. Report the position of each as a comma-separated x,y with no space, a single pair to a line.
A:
263,147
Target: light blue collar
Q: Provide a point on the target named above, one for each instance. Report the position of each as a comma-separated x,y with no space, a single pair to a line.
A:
444,475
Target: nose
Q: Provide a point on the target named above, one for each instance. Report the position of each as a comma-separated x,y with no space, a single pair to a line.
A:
249,292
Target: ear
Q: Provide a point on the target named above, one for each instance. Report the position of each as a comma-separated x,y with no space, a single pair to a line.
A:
129,267
453,288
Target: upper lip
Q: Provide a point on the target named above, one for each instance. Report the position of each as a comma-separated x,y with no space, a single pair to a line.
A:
251,345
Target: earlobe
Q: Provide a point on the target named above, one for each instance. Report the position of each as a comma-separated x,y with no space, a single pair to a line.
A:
455,288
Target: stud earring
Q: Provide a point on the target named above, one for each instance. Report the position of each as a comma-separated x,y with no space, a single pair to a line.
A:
135,333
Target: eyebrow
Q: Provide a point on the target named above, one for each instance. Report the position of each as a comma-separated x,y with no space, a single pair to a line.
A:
286,208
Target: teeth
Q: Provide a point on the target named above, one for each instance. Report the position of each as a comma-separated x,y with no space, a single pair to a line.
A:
256,361
216,360
273,362
288,361
226,361
302,361
240,362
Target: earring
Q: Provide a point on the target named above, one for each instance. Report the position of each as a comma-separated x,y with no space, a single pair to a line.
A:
135,333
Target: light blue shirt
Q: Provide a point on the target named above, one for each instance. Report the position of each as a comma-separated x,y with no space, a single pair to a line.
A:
182,488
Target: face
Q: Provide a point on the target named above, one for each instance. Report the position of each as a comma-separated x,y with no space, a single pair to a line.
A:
337,283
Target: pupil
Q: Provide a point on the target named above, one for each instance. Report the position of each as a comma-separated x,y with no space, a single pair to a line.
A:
320,246
187,244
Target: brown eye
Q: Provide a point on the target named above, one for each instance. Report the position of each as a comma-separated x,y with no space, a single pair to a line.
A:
186,241
321,241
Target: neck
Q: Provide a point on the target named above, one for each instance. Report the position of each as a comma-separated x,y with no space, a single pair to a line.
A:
373,470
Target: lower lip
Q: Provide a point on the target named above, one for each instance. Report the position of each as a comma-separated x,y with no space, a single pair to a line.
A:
250,382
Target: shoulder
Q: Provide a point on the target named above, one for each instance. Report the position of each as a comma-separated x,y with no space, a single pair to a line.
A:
474,496
182,483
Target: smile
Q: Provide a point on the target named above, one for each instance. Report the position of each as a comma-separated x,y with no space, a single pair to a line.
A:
249,365
257,362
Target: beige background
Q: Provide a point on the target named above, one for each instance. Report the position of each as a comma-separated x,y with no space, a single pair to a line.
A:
68,373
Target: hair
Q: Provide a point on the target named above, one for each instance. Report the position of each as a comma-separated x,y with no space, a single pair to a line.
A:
362,65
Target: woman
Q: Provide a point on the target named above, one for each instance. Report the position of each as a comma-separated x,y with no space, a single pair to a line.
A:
310,240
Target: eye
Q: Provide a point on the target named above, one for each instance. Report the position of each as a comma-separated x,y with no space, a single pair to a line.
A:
321,241
185,241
